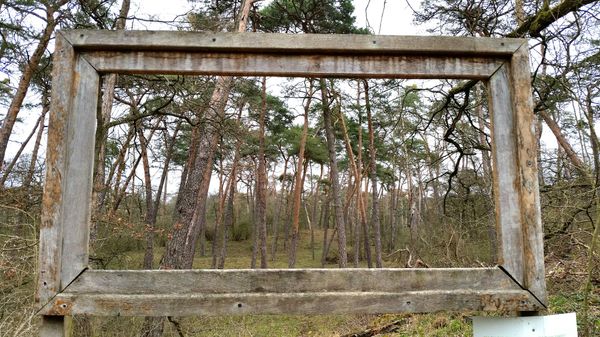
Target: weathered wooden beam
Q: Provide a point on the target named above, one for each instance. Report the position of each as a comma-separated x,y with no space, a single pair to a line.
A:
288,280
505,172
77,199
305,65
52,218
288,303
531,220
102,40
212,292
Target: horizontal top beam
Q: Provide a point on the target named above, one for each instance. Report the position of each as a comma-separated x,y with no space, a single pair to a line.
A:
125,40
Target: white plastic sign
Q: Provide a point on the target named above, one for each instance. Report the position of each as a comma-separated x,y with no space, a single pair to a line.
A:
563,325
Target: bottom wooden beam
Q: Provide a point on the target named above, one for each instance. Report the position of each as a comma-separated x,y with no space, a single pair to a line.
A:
289,291
281,303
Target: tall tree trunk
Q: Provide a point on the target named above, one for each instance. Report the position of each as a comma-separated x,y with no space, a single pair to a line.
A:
219,210
360,200
230,192
261,181
29,70
325,227
375,221
152,209
189,215
298,186
180,250
564,144
357,179
103,116
393,211
280,202
335,184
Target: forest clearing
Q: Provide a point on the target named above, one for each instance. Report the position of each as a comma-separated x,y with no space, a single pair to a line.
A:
285,135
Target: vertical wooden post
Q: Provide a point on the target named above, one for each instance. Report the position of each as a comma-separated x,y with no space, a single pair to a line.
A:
50,251
506,180
67,190
531,219
77,200
53,326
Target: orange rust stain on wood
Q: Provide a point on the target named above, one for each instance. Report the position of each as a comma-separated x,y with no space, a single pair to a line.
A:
60,307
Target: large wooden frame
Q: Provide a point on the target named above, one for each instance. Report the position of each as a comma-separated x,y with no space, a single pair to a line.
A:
67,287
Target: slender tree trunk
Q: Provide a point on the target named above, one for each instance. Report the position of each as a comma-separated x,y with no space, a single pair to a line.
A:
335,185
375,221
119,165
325,229
393,210
288,214
103,116
120,194
36,147
360,200
152,207
564,144
228,216
261,181
357,178
299,182
38,124
230,191
280,202
29,70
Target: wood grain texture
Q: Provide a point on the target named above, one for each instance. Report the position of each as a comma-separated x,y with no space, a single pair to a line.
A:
288,280
77,198
348,44
56,169
305,65
506,179
288,303
533,242
278,291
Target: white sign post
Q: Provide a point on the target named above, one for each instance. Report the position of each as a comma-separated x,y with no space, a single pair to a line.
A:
563,325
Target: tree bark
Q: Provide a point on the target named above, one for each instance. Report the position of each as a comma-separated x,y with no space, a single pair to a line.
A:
230,192
335,184
375,221
102,118
30,69
280,202
298,186
564,144
38,124
261,181
180,248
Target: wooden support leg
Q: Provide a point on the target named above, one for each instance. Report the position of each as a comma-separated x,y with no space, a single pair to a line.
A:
53,326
